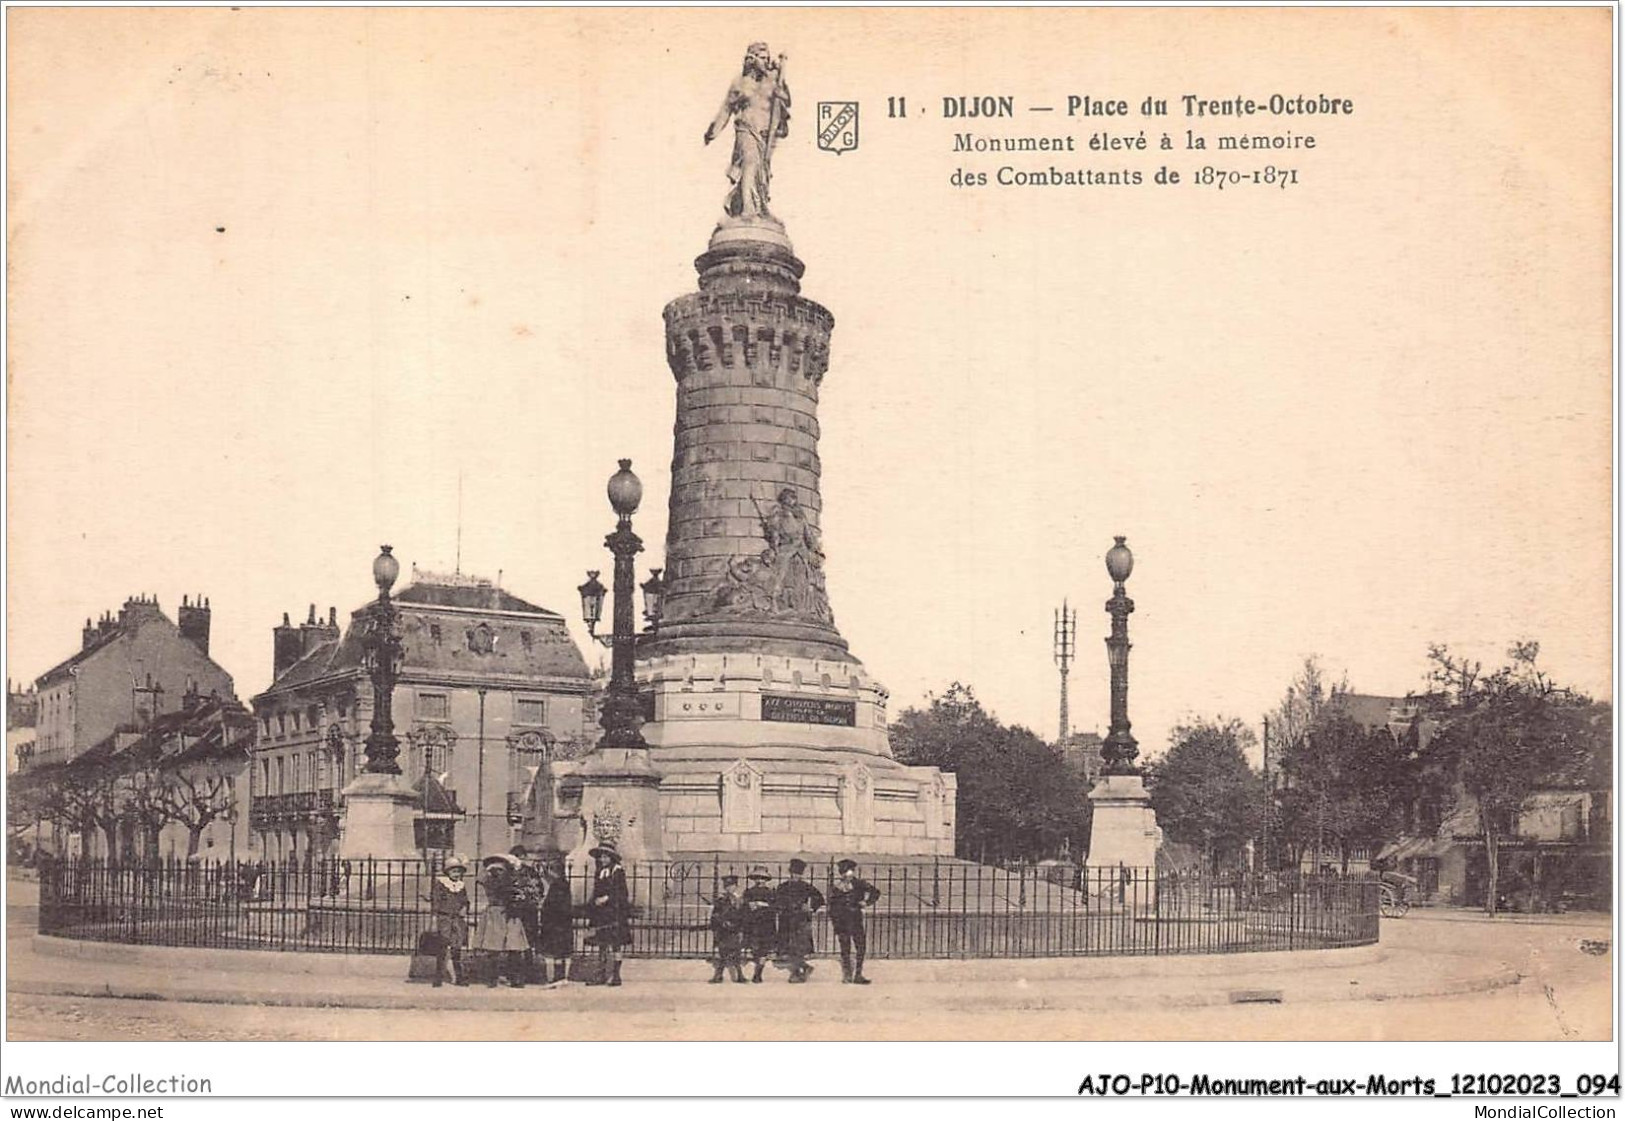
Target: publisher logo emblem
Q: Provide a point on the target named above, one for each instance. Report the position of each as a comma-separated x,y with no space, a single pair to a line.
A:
838,126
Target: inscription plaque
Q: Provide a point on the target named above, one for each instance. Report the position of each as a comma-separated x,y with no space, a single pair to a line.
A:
809,710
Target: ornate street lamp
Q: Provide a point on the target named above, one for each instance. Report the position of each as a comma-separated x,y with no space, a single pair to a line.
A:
654,588
619,718
381,656
1119,750
592,602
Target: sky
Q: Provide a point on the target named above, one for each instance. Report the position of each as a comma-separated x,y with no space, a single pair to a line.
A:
279,279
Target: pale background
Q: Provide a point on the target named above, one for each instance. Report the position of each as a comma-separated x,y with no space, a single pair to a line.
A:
1368,412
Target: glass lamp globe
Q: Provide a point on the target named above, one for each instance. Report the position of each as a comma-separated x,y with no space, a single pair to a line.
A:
385,569
625,490
1119,561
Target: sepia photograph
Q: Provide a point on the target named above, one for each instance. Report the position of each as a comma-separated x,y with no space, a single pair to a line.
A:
684,548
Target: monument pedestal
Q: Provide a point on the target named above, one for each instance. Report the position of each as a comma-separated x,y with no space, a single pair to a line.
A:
1124,833
379,811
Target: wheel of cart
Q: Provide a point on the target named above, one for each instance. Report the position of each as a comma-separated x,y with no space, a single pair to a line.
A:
1394,903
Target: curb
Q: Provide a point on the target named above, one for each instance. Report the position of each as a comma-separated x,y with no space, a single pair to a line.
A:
679,996
390,967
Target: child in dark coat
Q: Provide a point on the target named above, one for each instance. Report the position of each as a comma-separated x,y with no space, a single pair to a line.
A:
728,930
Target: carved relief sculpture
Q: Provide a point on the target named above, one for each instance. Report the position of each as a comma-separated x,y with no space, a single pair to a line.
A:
786,580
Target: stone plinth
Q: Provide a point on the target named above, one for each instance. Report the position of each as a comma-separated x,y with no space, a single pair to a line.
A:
379,811
1124,833
620,802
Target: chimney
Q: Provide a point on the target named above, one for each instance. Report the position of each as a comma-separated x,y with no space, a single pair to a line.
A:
314,632
88,635
287,647
138,609
194,622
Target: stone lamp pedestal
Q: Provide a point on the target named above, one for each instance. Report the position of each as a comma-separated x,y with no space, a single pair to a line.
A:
620,803
379,811
1125,835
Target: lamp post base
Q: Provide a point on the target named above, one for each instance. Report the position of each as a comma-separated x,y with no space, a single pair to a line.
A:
379,811
1124,834
620,802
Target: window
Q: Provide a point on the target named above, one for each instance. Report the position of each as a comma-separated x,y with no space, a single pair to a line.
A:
313,717
318,770
434,633
265,776
529,710
526,640
281,724
315,780
265,723
281,775
437,754
433,706
296,772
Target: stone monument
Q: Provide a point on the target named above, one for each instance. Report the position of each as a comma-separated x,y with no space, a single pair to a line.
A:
768,734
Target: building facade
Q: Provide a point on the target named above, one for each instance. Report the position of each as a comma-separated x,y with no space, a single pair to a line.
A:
115,734
492,693
130,668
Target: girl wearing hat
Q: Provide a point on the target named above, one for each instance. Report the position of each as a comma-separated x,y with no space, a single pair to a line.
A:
448,903
501,934
610,911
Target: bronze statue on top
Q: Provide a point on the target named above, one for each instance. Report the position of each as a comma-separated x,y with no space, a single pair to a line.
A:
759,103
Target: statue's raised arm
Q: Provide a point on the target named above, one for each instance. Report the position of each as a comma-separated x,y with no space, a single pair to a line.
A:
759,103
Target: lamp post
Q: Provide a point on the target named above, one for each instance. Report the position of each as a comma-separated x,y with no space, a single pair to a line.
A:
381,655
620,785
1119,750
380,805
619,718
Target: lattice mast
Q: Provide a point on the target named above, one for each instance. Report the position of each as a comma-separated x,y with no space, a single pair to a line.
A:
1066,636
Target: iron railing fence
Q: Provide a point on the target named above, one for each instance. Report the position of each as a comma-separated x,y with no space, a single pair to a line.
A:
943,909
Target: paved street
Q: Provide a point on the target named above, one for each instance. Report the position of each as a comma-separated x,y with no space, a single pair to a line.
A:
1436,975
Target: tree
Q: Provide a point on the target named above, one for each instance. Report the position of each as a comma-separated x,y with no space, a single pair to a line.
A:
1345,786
25,807
1205,792
1508,732
1017,799
84,798
196,797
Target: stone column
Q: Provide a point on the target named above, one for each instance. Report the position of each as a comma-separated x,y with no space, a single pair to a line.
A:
744,557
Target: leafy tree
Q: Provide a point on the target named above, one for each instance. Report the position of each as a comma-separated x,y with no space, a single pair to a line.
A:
1509,732
1345,786
1205,792
1017,799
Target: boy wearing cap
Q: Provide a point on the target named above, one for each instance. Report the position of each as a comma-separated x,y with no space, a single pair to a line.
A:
848,896
796,902
761,920
727,929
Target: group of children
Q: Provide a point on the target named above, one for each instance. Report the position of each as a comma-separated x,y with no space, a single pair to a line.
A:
775,923
528,918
